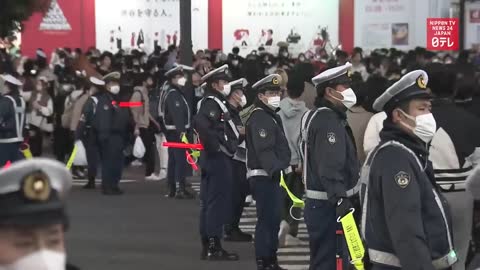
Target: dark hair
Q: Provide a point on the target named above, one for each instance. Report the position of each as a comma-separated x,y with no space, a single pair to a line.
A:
374,87
357,86
466,87
441,79
403,105
295,86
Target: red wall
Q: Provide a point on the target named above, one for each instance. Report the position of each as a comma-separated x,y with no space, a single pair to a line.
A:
81,16
79,13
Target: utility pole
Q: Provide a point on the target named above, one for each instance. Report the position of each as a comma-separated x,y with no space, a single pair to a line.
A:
461,35
186,32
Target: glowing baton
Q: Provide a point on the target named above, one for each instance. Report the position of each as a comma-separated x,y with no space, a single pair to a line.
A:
25,149
72,157
354,242
195,146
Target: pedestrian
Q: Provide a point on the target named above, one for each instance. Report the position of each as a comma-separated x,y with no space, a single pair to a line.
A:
405,221
144,126
219,137
12,119
454,152
240,187
177,119
33,218
39,116
331,165
291,112
268,156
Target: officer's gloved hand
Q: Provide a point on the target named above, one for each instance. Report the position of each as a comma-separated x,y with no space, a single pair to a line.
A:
344,207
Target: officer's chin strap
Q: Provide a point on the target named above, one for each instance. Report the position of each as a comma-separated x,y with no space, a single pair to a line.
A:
297,203
354,242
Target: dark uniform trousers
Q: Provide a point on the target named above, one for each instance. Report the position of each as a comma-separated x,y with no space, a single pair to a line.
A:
268,195
215,193
240,189
320,218
92,152
111,154
10,152
36,141
177,162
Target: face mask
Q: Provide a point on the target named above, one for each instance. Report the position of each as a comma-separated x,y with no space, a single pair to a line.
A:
349,98
67,87
302,59
285,54
243,101
235,62
115,89
182,81
226,89
38,87
274,102
425,126
40,260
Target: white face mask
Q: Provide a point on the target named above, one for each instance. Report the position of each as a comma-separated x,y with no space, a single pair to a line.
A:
39,88
39,260
274,102
226,89
243,101
349,98
115,89
182,81
235,62
425,126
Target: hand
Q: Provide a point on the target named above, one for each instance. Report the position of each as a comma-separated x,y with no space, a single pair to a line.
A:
241,130
31,133
36,106
136,132
343,207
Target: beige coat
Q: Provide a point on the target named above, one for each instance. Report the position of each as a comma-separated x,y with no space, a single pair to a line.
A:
358,118
77,111
141,115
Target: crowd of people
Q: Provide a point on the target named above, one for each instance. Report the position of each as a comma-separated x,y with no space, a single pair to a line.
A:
411,118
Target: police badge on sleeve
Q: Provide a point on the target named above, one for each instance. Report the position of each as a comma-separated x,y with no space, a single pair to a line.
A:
402,179
331,138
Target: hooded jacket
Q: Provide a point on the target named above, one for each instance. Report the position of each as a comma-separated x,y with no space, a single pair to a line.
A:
291,112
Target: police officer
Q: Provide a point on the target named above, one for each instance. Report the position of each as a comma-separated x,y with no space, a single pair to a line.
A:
32,215
405,219
110,124
240,187
268,155
177,121
12,119
219,137
331,165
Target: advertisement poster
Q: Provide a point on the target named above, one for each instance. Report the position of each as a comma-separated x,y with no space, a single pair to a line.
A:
305,25
145,24
391,23
472,25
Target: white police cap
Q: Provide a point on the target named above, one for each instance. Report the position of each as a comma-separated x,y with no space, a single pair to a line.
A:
331,74
96,81
178,69
271,82
238,84
411,85
10,79
220,73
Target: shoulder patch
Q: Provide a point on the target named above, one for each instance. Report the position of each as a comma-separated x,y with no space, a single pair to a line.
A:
212,114
177,103
263,133
402,179
332,139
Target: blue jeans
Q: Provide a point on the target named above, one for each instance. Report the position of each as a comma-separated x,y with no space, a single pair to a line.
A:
321,221
215,190
268,196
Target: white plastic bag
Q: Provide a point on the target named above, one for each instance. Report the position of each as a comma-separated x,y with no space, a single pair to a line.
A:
81,155
138,148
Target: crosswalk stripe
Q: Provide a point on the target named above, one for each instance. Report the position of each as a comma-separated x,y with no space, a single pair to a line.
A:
293,258
295,267
304,249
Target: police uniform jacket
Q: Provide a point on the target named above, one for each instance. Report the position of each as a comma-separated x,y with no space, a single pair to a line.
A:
267,146
241,152
212,127
177,111
405,220
9,114
104,117
332,164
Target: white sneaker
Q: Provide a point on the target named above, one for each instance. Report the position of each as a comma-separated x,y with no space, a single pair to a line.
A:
136,163
162,174
152,177
293,241
282,233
